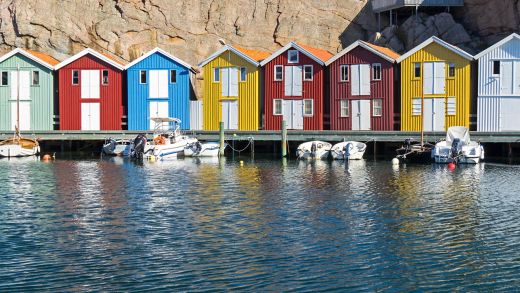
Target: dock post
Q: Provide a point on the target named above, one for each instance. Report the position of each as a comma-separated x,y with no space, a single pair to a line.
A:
284,139
221,138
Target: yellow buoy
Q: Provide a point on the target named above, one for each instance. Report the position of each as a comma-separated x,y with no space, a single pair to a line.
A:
152,158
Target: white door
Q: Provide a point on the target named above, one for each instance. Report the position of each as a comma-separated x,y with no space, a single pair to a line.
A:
159,109
361,115
439,78
158,87
293,113
25,115
516,77
509,109
506,77
90,84
428,79
434,114
24,86
90,116
354,82
364,79
230,115
293,81
229,80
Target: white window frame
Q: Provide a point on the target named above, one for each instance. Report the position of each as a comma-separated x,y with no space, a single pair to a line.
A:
344,104
380,71
416,107
347,67
245,74
216,72
2,80
32,78
72,79
312,72
102,77
172,71
145,77
281,67
493,68
451,106
454,70
380,107
274,107
289,56
312,107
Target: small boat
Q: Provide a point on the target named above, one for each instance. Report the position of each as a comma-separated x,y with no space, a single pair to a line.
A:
18,146
167,143
202,149
112,147
458,148
348,150
415,152
313,150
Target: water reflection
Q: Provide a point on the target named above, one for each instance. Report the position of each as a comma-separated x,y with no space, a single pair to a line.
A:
252,225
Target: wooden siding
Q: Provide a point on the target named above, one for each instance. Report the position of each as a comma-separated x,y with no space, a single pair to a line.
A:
42,96
313,90
111,101
248,94
138,94
379,89
458,87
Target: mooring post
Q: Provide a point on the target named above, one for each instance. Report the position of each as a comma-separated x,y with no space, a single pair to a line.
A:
284,139
221,138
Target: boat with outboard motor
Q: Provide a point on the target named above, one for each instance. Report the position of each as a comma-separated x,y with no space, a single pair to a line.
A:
313,150
113,147
348,150
168,141
458,148
202,149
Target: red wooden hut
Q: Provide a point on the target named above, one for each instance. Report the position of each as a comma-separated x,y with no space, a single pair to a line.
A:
90,92
294,87
362,88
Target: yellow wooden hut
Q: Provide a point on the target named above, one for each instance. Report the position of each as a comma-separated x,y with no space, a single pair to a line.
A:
231,92
435,86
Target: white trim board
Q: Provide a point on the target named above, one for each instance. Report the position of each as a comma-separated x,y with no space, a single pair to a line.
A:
497,45
93,53
363,45
226,48
287,47
440,42
161,51
26,54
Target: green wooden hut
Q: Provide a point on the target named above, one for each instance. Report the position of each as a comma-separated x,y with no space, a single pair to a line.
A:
27,75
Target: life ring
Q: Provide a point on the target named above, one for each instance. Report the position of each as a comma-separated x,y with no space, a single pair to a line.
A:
159,140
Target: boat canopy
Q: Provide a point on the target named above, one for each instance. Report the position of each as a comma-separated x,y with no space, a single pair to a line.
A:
459,132
165,120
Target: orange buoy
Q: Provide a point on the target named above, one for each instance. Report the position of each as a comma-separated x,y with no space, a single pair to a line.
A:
451,166
46,157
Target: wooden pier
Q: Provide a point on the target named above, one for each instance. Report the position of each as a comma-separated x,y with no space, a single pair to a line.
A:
271,136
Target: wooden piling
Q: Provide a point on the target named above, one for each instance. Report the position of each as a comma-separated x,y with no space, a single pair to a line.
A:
221,138
284,139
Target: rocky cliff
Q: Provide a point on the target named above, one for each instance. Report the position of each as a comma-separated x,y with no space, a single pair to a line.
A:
191,29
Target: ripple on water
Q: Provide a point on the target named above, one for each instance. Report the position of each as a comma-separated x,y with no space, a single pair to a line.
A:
195,225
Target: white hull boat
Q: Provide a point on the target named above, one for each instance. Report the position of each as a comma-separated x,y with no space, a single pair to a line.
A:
169,148
19,147
202,149
314,150
458,148
348,150
114,147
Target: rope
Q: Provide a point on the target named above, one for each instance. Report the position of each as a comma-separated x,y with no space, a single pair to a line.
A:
239,151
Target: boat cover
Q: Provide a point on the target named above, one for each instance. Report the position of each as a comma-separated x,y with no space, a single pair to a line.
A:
460,132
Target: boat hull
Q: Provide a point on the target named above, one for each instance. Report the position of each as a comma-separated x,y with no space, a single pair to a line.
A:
314,150
170,150
207,150
356,151
414,155
19,148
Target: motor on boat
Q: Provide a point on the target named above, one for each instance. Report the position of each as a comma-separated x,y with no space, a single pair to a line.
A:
138,147
202,149
348,150
313,150
458,148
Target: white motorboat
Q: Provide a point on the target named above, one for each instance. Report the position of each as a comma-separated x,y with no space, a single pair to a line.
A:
120,147
313,150
18,146
168,142
348,150
458,148
202,149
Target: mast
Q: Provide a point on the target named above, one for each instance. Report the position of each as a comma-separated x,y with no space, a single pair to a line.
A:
17,127
422,106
